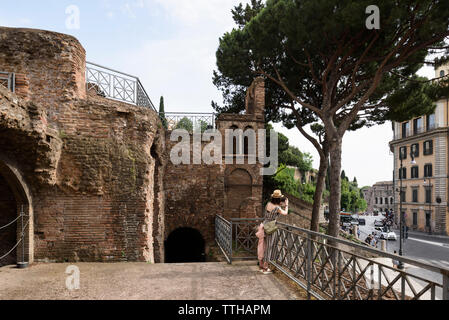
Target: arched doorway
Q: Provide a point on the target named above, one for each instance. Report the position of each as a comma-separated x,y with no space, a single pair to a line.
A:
8,231
185,245
15,199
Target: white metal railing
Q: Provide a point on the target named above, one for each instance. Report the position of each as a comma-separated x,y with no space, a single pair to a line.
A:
116,85
190,121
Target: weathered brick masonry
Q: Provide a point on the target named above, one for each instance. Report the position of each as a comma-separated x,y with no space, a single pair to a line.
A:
93,174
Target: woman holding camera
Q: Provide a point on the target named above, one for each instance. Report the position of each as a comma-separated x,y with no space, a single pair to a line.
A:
278,205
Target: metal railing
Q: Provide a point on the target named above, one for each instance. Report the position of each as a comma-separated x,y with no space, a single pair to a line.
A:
336,269
413,132
7,80
237,238
190,121
223,236
23,225
116,85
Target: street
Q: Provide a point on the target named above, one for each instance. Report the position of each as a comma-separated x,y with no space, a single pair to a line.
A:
431,250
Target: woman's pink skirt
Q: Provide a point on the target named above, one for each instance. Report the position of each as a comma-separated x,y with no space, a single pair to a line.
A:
261,245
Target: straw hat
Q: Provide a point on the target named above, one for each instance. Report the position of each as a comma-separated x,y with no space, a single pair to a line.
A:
277,194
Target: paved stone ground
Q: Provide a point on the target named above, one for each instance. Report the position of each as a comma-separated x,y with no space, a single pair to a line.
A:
142,281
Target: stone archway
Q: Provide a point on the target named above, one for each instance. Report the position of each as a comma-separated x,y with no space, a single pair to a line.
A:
185,245
15,197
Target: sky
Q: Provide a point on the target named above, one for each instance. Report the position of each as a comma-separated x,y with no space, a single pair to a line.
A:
170,45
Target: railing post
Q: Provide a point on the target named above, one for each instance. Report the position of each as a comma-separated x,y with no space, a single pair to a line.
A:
309,266
445,285
230,243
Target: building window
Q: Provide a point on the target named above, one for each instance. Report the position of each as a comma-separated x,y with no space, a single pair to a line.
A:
415,218
415,195
386,200
381,200
391,200
428,218
415,172
377,201
405,129
403,196
403,153
417,126
428,147
428,195
442,73
415,149
403,173
428,171
431,121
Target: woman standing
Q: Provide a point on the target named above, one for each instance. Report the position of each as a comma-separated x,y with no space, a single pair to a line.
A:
273,209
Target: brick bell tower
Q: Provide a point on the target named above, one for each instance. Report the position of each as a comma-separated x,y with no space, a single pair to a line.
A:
243,181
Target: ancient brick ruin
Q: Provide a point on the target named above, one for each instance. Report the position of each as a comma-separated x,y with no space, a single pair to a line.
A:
93,174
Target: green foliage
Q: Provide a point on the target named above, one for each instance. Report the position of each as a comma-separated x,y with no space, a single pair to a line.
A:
285,179
162,113
185,123
351,196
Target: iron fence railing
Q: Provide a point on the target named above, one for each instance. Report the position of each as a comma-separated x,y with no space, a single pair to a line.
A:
189,120
223,236
7,80
336,269
116,85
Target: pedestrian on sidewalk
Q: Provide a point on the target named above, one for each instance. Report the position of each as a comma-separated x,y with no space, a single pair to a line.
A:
395,261
272,210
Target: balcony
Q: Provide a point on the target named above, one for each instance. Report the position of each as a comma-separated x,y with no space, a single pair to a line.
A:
410,132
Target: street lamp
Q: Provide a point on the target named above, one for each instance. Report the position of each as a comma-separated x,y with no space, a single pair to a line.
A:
401,213
429,185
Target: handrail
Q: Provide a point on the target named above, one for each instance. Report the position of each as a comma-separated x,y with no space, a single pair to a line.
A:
417,263
336,268
191,120
117,85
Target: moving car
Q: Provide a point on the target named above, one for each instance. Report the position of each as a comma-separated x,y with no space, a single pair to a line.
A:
385,233
362,222
378,223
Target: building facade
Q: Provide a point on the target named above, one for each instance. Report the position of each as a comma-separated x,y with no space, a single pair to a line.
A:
380,197
424,180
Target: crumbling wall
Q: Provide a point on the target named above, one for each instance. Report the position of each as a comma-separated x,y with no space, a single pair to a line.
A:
94,166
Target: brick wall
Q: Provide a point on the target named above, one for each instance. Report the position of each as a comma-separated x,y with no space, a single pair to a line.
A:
100,185
54,64
94,166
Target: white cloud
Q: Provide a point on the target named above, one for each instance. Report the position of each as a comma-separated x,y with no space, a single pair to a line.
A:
191,12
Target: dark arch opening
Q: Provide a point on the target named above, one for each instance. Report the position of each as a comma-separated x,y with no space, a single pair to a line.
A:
8,212
16,198
185,245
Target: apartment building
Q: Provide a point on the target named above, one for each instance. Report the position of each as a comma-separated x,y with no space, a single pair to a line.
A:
379,197
425,180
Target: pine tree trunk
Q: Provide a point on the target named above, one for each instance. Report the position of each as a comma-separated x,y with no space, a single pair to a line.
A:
320,184
335,187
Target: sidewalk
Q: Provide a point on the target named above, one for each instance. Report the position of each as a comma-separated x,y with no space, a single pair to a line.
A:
142,281
418,285
426,236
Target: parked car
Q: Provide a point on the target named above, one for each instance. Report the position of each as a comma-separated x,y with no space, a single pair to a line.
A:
362,222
